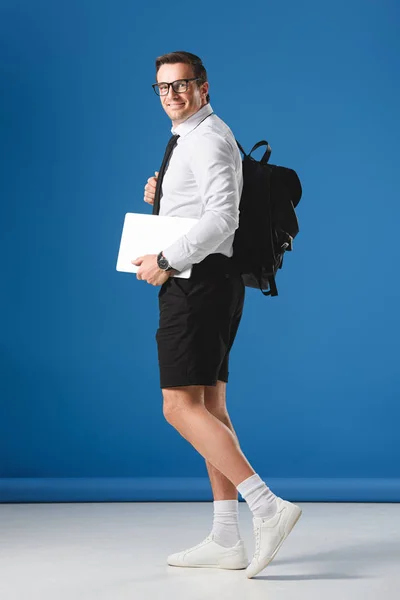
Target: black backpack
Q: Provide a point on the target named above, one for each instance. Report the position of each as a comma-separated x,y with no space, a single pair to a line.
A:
267,220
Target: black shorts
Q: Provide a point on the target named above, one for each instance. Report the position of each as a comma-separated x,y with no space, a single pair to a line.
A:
199,319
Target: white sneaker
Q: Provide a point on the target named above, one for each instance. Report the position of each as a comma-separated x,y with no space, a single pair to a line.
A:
210,554
271,533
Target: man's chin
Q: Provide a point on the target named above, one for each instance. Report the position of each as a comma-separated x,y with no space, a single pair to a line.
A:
178,115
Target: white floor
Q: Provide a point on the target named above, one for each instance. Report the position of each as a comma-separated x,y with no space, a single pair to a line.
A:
104,551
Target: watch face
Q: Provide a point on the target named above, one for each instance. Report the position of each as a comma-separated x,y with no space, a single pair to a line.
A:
163,263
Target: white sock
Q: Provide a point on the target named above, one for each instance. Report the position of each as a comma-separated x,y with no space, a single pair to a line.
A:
260,499
226,522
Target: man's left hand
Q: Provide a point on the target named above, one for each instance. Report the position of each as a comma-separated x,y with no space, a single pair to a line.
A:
150,271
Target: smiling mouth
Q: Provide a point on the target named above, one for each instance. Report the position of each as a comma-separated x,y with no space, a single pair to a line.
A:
175,105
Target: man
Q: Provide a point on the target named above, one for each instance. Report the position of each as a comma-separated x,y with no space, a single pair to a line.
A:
200,316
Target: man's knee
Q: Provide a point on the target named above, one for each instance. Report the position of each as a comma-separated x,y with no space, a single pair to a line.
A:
180,399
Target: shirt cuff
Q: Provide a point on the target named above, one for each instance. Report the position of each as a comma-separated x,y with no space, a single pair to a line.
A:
172,256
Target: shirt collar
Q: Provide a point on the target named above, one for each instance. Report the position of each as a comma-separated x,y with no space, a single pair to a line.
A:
192,121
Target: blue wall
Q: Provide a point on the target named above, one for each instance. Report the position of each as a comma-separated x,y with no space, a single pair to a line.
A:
314,384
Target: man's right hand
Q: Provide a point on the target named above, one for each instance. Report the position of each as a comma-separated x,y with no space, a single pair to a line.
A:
150,189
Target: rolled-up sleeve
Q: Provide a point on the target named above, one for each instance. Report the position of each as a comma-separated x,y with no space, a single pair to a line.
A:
213,165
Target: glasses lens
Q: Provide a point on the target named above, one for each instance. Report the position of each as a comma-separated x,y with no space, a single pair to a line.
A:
180,86
162,89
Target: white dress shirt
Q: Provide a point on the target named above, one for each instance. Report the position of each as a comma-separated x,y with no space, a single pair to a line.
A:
203,180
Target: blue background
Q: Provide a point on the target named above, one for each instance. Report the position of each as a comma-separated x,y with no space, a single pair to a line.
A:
314,378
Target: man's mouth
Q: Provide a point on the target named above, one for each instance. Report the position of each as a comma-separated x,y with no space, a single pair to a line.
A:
175,105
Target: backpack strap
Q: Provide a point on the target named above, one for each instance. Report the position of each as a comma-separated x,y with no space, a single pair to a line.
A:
241,149
272,286
273,290
267,153
265,293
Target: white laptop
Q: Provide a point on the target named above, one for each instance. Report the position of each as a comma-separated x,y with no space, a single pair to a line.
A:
149,234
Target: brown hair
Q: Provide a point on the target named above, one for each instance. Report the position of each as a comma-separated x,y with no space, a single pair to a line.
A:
180,56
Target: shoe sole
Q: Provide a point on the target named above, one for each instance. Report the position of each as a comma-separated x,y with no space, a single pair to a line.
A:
266,563
225,562
210,567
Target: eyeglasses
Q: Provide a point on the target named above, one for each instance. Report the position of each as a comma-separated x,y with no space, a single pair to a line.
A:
179,86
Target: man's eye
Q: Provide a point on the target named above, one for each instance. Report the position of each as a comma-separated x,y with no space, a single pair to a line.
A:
162,87
180,85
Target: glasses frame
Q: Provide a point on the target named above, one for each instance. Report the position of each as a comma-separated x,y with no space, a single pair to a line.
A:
154,85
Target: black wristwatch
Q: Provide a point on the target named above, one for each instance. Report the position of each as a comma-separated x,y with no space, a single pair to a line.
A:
163,262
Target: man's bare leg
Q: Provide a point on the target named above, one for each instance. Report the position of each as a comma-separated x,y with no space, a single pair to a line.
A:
185,410
215,403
